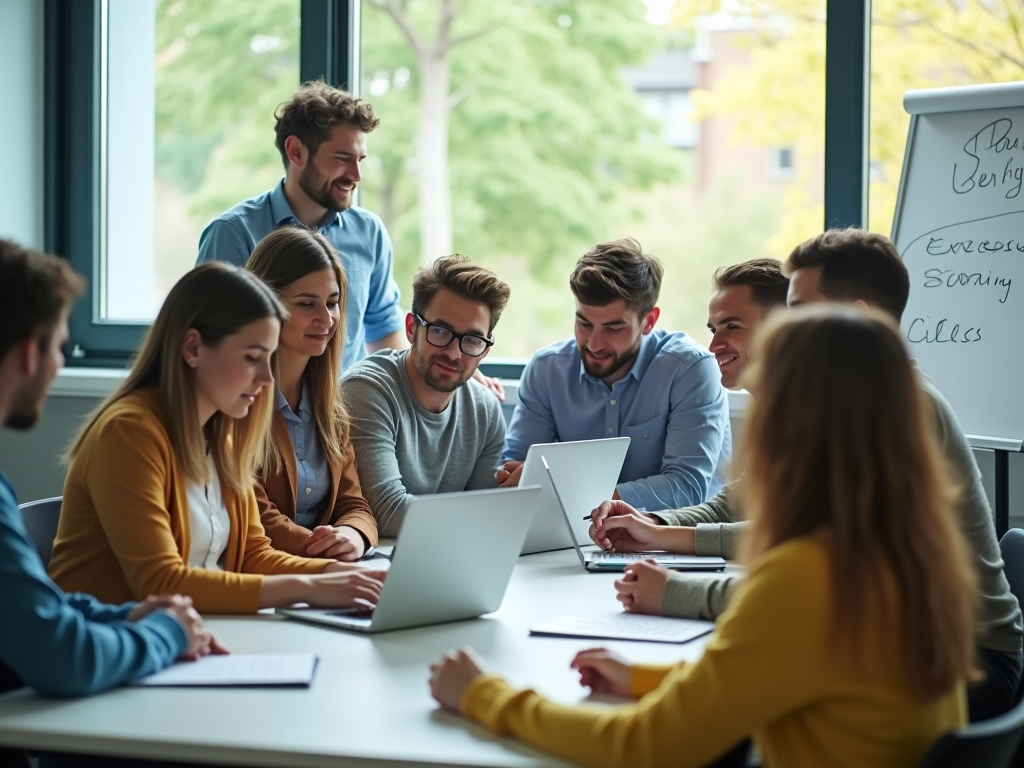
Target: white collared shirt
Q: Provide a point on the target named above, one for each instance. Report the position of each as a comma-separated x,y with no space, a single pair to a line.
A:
209,524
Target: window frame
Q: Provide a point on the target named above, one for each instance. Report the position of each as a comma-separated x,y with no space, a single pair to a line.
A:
74,70
330,48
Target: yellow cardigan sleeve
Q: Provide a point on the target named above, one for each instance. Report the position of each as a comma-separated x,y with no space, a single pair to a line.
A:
128,476
765,659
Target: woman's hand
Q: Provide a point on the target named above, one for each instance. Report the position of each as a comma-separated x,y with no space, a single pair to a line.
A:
451,675
603,671
349,589
336,542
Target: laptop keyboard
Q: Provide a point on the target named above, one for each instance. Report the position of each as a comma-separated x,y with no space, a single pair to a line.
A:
629,557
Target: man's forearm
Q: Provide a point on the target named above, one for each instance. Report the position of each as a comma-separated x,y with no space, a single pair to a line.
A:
396,341
676,539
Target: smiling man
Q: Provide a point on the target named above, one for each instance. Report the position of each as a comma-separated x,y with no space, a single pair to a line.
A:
321,135
744,295
619,376
416,429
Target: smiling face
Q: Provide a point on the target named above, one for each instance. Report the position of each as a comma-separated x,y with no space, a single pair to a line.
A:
330,175
313,301
230,375
733,316
446,369
609,338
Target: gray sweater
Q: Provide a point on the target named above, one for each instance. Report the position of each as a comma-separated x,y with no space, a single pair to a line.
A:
403,450
718,533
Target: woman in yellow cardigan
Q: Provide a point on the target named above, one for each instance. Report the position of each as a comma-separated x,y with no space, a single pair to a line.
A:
308,491
851,638
159,493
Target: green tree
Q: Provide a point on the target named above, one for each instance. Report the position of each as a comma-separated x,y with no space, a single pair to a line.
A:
524,99
779,97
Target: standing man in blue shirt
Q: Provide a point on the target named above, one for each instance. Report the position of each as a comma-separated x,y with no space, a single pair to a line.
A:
321,135
621,376
62,644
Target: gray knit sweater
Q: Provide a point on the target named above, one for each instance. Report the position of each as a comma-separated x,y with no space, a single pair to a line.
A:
719,529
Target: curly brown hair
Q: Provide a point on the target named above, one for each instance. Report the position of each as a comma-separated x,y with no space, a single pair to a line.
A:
314,109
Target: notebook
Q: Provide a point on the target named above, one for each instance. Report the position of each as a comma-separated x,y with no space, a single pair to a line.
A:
238,669
626,626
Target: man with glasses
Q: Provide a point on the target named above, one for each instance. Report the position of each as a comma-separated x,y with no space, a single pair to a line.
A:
415,428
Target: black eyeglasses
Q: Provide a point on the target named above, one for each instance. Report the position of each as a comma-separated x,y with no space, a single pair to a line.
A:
439,336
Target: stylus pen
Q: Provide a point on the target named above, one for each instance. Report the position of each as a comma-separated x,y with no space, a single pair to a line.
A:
638,509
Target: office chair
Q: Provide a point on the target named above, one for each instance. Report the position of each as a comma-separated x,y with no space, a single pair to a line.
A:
988,744
991,743
1011,546
40,518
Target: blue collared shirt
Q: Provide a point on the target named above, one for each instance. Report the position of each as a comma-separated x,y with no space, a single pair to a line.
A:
312,473
362,242
68,644
671,404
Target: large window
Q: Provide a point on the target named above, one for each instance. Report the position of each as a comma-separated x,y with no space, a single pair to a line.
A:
522,133
160,117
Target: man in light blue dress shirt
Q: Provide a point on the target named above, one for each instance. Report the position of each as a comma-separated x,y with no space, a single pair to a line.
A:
322,169
621,376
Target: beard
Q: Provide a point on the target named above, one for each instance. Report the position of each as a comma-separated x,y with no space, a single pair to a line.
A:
27,407
318,189
424,368
611,365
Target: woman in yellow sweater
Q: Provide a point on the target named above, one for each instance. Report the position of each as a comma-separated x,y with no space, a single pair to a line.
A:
308,492
851,638
159,493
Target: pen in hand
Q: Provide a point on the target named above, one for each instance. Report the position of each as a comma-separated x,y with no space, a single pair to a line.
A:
638,509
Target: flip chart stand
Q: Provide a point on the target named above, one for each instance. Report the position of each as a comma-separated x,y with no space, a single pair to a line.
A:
1002,448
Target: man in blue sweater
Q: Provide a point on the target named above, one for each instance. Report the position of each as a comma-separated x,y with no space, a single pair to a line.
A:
63,644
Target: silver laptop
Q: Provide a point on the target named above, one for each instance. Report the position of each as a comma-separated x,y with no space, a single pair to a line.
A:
596,561
453,561
587,472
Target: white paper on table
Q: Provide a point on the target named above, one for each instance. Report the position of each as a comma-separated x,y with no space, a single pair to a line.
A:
626,626
267,669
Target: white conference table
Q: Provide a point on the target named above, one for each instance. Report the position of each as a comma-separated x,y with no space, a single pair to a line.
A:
369,702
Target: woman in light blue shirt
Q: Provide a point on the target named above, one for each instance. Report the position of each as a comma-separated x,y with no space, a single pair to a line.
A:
311,502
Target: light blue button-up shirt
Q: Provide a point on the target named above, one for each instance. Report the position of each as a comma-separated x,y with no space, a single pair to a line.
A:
312,472
362,242
671,404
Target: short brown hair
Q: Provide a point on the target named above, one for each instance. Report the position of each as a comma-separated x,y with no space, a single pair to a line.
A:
459,275
314,109
618,270
768,286
36,289
856,264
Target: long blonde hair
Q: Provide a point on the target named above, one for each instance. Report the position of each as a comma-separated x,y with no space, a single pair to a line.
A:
839,438
282,257
217,300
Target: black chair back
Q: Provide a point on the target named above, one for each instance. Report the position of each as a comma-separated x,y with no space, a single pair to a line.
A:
40,518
